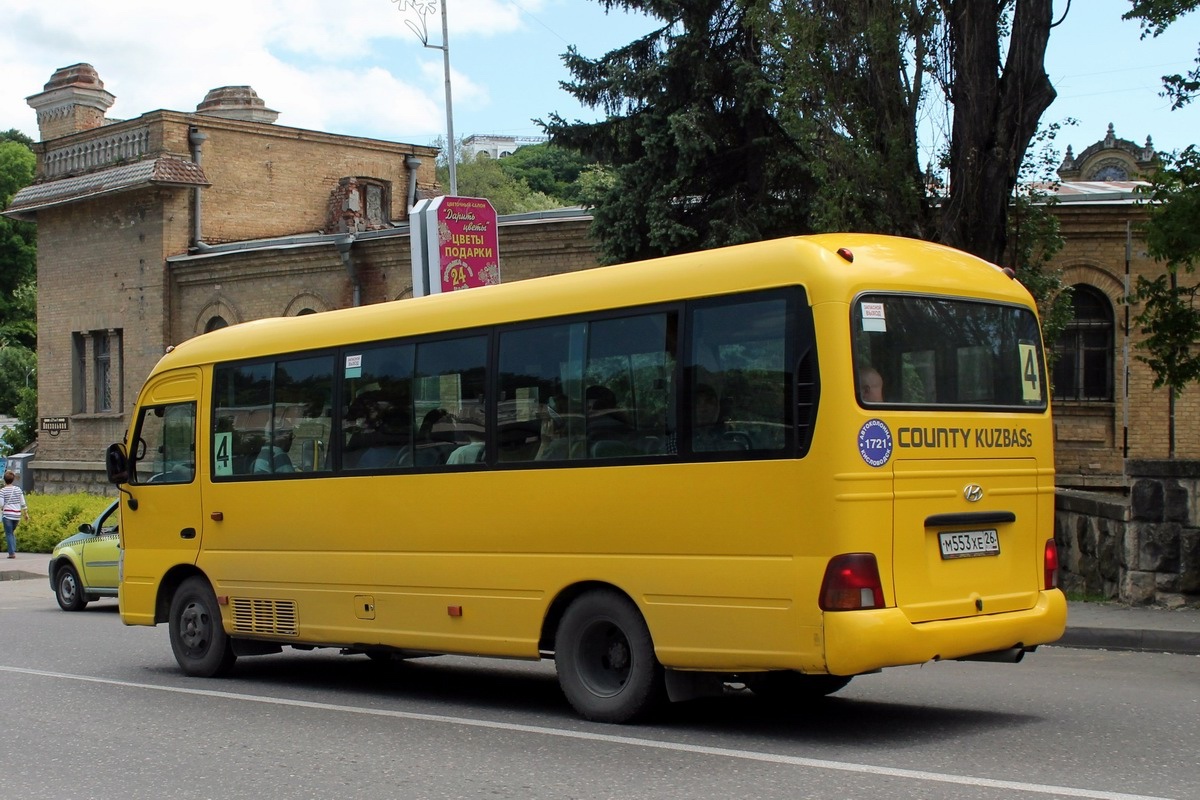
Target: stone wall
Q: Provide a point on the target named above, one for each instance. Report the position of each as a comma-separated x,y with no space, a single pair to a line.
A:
1139,549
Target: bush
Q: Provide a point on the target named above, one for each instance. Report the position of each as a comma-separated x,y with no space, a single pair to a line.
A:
54,517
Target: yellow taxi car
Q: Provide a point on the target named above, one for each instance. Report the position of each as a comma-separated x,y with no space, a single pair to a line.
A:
83,567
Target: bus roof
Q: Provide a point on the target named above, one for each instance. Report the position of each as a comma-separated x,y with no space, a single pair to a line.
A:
879,263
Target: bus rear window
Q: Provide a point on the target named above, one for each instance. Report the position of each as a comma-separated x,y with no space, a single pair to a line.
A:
937,352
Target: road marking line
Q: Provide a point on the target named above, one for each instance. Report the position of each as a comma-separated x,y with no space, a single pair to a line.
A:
608,738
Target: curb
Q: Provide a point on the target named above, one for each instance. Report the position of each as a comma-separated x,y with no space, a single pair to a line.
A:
19,575
1142,641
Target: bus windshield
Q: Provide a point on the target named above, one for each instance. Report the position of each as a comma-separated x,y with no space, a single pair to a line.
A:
940,352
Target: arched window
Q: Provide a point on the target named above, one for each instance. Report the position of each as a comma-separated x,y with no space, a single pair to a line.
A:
216,323
1083,369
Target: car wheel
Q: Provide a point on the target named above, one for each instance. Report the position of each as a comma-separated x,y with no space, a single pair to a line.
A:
67,589
605,659
199,641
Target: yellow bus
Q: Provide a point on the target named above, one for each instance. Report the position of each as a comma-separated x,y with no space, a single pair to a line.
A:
780,464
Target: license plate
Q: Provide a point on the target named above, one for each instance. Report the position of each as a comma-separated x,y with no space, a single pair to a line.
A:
969,544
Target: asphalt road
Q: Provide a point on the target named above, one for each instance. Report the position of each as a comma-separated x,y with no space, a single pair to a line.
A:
92,709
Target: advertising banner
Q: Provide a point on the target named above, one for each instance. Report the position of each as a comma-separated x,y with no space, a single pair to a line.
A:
457,241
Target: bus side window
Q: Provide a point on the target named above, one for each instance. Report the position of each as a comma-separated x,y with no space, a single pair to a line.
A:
450,399
377,421
628,375
539,366
272,418
739,376
166,450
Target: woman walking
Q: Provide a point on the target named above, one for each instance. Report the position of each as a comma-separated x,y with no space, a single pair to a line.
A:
13,501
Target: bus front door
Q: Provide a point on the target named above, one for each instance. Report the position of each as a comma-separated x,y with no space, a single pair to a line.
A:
161,522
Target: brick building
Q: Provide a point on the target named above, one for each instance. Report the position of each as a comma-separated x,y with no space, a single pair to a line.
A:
159,228
1097,422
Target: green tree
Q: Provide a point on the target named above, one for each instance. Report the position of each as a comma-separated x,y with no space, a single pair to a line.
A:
18,368
874,59
1156,16
698,154
1170,317
484,177
547,168
1034,235
18,252
746,119
20,436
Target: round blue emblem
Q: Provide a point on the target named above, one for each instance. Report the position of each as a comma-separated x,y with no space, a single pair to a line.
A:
875,442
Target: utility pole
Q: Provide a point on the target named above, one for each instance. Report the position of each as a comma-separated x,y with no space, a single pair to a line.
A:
423,9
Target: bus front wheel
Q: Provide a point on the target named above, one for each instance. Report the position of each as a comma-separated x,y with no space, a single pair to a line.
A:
200,643
605,659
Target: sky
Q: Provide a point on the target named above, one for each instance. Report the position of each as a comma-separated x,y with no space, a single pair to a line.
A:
356,68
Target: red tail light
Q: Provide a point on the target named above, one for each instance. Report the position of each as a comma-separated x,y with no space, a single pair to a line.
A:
851,582
1050,565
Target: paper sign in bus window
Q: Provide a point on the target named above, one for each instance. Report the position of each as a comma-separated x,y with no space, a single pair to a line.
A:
223,453
354,366
1031,372
873,317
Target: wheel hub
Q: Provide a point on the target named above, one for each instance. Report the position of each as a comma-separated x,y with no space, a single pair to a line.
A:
194,628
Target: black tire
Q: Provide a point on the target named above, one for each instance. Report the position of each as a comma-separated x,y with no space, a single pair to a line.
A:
796,687
68,591
605,659
199,641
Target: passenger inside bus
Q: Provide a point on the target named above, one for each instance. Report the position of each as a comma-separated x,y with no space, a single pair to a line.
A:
708,429
436,439
473,451
381,428
274,457
608,428
554,445
870,385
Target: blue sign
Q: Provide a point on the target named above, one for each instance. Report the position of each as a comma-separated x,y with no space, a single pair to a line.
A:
875,442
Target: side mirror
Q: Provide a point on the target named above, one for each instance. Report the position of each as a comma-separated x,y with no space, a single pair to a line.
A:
116,464
86,527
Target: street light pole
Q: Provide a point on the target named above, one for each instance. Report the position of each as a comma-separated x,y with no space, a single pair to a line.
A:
449,104
421,9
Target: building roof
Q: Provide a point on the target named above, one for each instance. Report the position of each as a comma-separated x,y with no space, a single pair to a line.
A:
161,171
1095,192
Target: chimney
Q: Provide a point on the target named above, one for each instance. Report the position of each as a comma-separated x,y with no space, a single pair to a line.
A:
236,102
74,100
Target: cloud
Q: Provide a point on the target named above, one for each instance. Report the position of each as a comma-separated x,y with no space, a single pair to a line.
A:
336,67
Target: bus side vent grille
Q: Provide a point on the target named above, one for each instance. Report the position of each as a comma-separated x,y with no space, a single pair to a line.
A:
258,616
806,402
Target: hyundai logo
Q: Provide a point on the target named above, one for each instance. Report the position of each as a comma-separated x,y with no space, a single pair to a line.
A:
973,492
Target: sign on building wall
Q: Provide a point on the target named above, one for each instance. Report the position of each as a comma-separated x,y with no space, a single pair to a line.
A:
455,244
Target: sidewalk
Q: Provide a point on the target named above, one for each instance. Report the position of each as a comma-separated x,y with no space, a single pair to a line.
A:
24,566
1107,626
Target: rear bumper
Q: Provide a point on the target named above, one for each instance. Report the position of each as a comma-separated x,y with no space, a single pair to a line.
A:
863,641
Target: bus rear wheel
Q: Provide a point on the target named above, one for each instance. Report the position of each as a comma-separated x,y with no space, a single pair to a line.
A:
605,659
199,641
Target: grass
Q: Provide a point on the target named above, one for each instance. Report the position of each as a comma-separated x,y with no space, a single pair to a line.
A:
54,517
